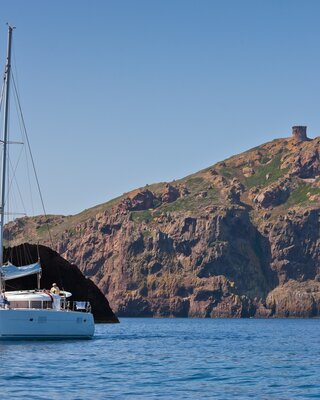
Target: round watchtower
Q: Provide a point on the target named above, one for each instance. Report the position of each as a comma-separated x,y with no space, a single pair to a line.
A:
299,133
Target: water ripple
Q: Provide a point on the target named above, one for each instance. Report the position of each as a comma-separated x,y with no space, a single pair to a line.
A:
170,359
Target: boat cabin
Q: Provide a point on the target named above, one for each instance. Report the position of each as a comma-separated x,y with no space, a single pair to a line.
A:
42,300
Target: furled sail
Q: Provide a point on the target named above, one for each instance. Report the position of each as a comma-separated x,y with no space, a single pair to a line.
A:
12,272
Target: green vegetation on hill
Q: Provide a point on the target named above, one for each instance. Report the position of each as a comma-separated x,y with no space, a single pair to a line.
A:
192,203
141,216
271,169
300,195
228,172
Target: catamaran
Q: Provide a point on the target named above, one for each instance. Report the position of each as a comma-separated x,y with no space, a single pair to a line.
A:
38,313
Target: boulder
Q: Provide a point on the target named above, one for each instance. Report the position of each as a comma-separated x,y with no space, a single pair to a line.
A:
170,194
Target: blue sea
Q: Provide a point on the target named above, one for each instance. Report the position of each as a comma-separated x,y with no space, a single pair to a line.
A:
170,359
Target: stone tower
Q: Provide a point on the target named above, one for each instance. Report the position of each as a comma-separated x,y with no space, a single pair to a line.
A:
299,133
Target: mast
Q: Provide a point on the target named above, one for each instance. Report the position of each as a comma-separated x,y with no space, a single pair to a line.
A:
5,142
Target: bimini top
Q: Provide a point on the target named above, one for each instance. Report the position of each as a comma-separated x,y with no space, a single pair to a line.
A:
10,271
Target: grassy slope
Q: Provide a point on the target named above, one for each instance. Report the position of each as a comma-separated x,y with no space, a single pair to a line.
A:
265,160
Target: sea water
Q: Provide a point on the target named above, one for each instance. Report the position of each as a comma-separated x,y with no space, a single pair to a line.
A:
170,359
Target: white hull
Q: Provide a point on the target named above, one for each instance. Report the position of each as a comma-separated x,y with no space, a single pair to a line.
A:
45,324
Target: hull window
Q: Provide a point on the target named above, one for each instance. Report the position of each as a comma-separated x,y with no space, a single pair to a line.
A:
47,304
36,304
19,304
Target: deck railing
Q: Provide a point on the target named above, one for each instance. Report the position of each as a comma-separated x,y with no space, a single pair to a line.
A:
80,306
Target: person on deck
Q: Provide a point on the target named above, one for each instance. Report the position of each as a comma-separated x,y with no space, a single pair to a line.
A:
55,289
2,300
4,303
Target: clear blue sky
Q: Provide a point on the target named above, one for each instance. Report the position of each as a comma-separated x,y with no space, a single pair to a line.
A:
118,94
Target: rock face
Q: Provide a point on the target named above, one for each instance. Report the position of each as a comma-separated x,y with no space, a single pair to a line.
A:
274,194
137,201
67,276
170,194
295,299
239,239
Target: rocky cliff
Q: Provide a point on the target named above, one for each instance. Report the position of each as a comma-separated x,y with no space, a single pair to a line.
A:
238,239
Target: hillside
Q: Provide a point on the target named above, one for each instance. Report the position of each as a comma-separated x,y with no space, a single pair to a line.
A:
240,238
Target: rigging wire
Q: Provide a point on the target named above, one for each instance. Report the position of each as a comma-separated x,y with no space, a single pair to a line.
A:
14,180
14,66
25,150
1,96
32,159
24,130
16,97
2,88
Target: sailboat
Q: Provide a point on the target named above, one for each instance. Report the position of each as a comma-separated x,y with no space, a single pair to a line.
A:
38,313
